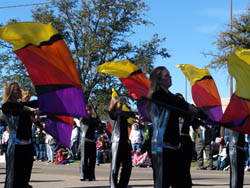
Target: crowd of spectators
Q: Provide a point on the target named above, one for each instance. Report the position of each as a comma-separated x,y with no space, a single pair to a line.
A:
47,149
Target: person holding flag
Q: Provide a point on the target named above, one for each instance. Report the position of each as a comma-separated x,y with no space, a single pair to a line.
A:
19,118
120,149
164,109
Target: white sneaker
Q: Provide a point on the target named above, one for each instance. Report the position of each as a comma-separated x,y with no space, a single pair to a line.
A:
226,168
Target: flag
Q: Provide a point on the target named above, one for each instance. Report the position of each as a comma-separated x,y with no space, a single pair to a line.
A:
204,91
238,109
132,78
50,66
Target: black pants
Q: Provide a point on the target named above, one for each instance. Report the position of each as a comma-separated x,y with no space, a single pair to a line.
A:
186,155
121,155
88,160
23,162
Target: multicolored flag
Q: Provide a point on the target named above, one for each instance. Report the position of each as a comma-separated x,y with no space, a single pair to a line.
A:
50,66
238,111
132,78
204,91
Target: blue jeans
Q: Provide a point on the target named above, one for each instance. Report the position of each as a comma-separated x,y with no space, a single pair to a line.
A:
36,146
136,146
50,153
73,150
98,156
41,155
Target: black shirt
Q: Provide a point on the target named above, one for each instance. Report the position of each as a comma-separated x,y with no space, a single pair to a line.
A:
172,133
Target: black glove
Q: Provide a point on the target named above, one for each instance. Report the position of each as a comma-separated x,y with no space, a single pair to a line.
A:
202,115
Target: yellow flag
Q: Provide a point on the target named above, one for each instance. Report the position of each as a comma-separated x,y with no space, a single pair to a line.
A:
239,68
192,73
124,106
120,69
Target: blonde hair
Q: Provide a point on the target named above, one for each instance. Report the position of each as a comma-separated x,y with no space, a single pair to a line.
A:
113,102
7,91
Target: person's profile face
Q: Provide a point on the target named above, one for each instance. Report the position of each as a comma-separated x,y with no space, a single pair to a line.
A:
166,79
16,92
119,105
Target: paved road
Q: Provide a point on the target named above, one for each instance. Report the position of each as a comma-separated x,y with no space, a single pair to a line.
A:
67,176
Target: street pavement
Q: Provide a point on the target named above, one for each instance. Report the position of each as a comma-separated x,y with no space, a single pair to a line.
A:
67,176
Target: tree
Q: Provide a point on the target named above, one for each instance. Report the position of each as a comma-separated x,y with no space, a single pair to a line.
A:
96,31
239,37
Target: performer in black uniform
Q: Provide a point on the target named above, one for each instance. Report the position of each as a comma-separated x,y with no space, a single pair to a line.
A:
166,134
120,147
88,147
19,155
237,159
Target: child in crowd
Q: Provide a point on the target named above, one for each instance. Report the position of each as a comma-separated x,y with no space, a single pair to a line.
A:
141,160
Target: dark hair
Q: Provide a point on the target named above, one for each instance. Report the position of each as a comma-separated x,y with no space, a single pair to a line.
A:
155,76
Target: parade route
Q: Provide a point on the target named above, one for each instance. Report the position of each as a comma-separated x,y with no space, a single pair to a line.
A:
67,176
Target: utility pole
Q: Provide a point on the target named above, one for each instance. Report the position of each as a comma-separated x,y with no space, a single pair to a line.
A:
231,28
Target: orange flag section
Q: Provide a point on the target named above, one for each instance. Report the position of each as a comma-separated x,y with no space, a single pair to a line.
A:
59,64
205,93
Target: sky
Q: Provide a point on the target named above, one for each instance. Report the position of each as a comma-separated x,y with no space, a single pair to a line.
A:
190,28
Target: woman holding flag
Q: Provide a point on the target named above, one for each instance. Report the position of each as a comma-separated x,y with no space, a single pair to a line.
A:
121,150
20,151
165,109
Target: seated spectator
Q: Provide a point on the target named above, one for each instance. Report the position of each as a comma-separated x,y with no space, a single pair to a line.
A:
60,157
102,149
141,160
223,156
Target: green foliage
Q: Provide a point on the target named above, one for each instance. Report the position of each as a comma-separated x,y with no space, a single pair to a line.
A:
238,37
96,31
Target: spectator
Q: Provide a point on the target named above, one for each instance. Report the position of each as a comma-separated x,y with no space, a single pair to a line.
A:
136,137
40,136
203,141
99,150
49,141
74,141
3,126
141,160
223,156
148,132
